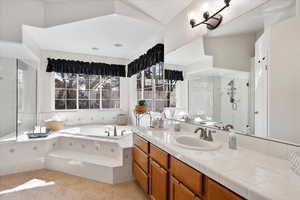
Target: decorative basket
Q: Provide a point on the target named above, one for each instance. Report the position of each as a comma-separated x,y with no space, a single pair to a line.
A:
294,159
55,125
141,109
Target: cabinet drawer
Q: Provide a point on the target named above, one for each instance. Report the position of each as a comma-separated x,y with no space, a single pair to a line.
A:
215,191
141,159
160,156
141,177
179,192
187,175
141,143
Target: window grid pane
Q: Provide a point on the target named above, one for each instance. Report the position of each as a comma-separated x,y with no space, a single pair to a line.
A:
86,92
157,92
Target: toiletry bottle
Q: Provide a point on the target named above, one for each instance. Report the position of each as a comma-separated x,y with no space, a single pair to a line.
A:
232,141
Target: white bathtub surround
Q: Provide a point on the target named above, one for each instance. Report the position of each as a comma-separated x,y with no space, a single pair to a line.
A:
96,130
72,118
251,174
99,159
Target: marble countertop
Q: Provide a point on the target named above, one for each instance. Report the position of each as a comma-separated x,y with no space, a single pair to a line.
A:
251,174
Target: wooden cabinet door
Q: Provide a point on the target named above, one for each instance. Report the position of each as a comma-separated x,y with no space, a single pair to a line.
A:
178,191
141,159
215,191
158,182
141,177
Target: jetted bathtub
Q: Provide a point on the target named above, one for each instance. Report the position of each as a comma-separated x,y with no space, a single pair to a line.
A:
98,131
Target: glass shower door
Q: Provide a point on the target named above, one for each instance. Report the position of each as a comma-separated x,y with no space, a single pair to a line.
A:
8,99
27,101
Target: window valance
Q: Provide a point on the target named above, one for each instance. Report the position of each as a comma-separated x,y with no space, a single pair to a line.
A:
80,67
153,56
173,75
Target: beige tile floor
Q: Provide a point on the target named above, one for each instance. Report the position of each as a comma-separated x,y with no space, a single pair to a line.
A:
52,185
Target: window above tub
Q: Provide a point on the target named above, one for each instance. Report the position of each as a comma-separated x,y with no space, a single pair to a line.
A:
82,92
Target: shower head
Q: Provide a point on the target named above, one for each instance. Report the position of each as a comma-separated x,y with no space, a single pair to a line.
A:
231,83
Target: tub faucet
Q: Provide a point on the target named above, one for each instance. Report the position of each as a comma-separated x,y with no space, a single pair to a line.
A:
122,132
108,133
115,131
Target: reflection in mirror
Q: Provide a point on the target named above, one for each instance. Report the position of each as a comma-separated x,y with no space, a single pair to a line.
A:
220,97
244,74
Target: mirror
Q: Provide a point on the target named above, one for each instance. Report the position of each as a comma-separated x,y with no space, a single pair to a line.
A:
245,74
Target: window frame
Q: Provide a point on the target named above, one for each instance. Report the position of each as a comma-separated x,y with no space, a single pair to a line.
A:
77,97
154,98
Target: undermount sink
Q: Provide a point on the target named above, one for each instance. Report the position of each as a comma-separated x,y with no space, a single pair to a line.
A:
195,143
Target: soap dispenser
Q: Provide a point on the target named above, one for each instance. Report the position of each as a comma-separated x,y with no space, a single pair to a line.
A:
232,141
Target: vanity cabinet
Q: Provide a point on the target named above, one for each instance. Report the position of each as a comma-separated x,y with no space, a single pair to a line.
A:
141,159
141,177
178,191
158,182
187,176
164,177
215,191
140,167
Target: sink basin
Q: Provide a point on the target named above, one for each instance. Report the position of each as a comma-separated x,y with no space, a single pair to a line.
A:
195,143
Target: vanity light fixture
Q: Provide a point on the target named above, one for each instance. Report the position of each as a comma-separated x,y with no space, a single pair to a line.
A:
211,22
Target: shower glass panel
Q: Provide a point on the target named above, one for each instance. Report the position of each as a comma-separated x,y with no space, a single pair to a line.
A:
18,104
27,103
8,100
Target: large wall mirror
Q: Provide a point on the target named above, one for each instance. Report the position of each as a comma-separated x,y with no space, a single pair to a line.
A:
245,74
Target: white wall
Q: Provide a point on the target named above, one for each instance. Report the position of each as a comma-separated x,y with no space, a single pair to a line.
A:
298,7
46,92
231,52
15,13
284,73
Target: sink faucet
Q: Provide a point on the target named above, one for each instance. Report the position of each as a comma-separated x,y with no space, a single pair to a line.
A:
203,134
228,127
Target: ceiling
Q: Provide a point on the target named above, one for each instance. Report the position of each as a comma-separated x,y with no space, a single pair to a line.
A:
101,33
162,10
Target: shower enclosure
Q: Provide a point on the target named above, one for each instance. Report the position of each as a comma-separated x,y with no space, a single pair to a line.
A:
18,102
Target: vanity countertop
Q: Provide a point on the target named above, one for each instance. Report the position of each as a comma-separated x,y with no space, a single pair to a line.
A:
251,174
